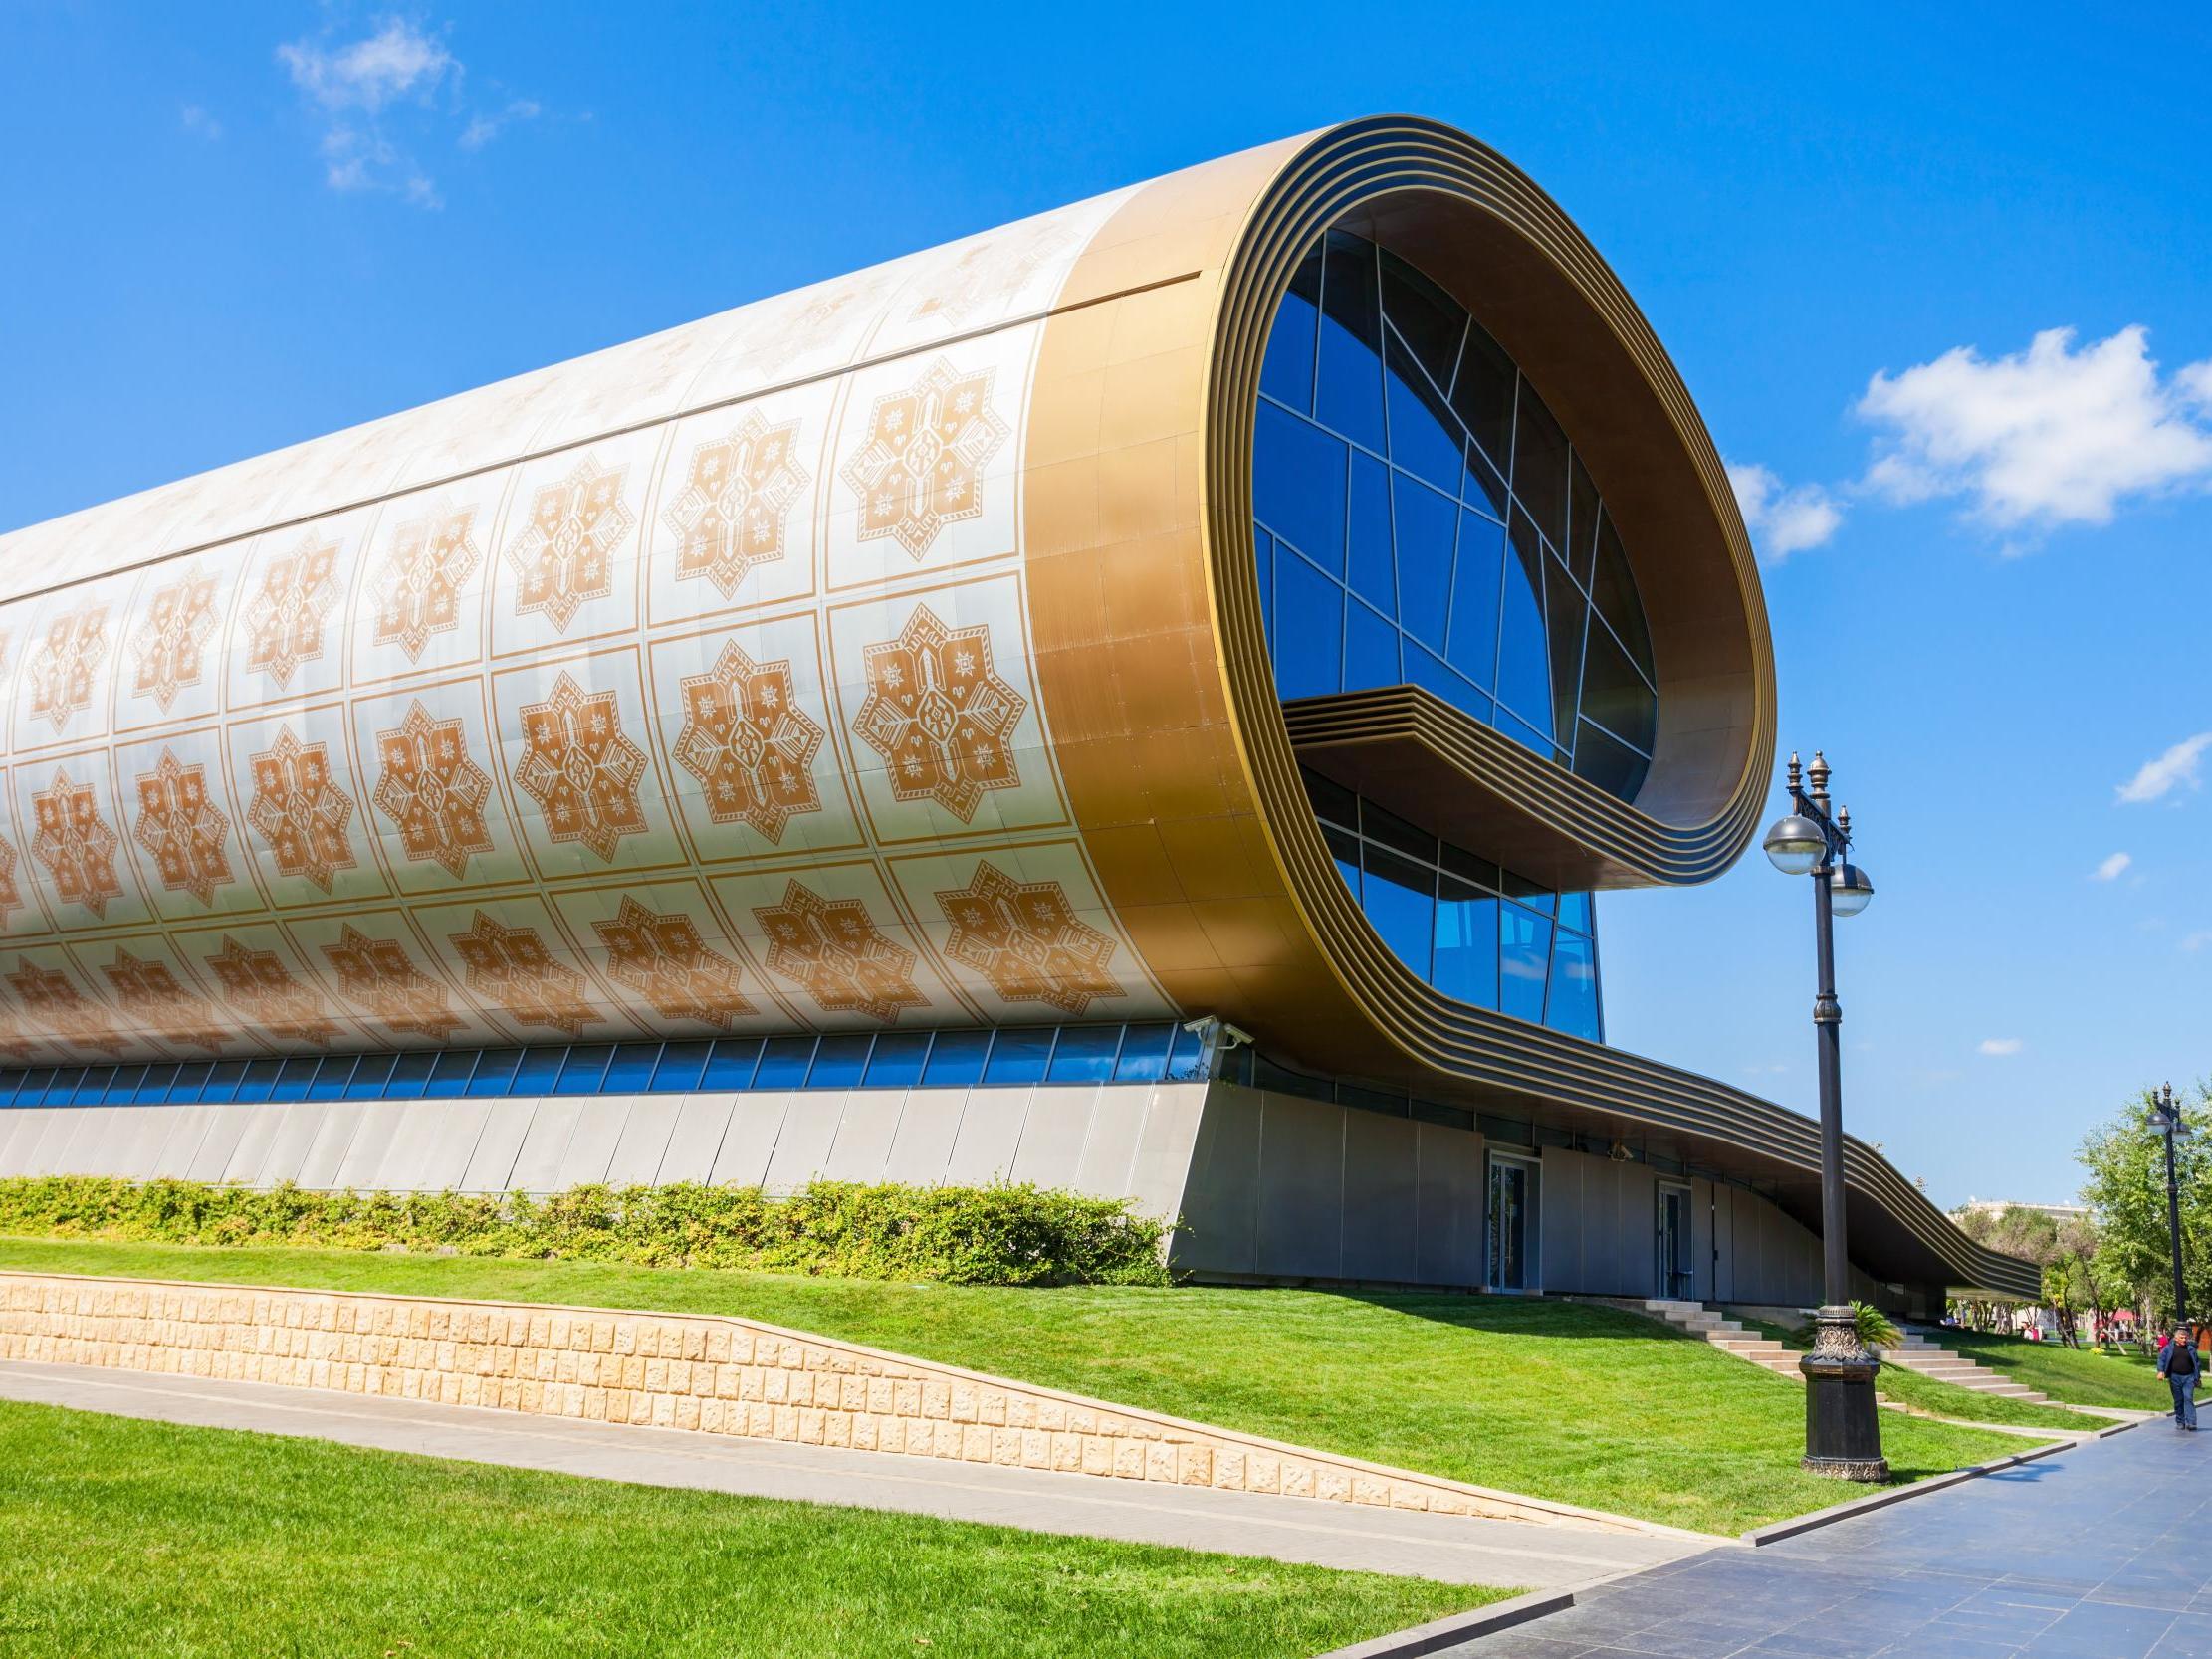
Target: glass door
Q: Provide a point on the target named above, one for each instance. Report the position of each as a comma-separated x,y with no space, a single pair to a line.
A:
1678,1278
1512,1225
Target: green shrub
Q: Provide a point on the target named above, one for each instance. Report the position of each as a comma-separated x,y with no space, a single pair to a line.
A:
991,1235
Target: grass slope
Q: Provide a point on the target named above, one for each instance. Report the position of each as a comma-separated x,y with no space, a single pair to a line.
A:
1581,1403
2079,1376
146,1539
1948,1400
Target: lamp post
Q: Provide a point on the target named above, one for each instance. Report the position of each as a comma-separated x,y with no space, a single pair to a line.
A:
2165,1117
1843,1436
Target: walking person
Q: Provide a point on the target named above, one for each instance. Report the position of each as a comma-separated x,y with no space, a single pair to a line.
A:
2179,1365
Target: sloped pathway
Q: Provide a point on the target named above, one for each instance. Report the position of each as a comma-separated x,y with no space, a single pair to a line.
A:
2095,1553
1465,1550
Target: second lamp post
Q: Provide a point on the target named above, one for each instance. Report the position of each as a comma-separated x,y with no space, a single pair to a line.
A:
1843,1436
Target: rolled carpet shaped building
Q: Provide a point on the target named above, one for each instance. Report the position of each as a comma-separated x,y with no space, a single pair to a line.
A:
1139,699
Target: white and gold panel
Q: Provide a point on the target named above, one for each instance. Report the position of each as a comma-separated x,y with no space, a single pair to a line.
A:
605,700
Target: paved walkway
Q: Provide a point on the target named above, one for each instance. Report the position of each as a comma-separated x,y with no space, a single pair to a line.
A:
2095,1553
1454,1548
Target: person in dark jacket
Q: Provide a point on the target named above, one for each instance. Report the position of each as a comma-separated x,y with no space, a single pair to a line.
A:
2179,1365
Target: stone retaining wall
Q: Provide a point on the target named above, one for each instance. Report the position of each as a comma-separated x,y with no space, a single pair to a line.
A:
705,1373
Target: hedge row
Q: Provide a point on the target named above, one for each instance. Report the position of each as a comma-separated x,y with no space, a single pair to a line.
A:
991,1235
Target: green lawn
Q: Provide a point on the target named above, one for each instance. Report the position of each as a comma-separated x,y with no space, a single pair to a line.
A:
2081,1376
1948,1400
1562,1400
121,1536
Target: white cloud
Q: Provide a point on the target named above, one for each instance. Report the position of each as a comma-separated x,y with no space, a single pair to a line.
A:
398,61
1781,521
2198,940
2049,436
382,99
484,129
2112,868
2180,765
1999,1046
199,122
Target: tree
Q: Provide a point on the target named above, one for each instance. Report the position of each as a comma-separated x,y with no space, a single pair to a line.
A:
2126,1192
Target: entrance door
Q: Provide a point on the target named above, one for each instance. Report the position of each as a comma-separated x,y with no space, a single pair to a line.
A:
1676,1275
1512,1225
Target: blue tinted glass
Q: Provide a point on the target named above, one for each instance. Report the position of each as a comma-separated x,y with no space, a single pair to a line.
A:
732,1062
371,1077
1399,897
223,1081
537,1071
581,1071
1144,1053
1019,1054
449,1075
1482,486
191,1080
895,1062
1524,952
1535,895
1524,665
1475,598
260,1078
1298,485
1564,611
1426,526
35,1082
1432,675
1287,373
63,1089
1573,1004
10,1083
957,1059
292,1083
1309,631
1467,945
1611,765
1370,650
1349,396
410,1073
1084,1054
784,1063
1424,435
838,1062
1414,365
92,1086
1373,565
495,1071
680,1067
331,1077
631,1069
123,1087
1574,912
157,1082
1614,695
1187,1060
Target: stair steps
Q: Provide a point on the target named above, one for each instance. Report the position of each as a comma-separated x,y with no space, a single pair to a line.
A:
1915,1353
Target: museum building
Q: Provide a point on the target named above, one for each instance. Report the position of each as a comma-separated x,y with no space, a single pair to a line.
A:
1142,701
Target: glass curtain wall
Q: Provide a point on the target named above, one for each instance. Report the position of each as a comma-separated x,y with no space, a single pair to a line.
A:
1474,931
1421,518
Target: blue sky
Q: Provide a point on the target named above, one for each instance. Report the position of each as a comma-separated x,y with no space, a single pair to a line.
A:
233,227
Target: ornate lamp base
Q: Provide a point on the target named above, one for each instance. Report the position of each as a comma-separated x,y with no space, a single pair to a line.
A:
1843,1436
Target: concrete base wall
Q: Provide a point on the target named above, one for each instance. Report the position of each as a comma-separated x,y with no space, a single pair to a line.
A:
1119,1141
1268,1185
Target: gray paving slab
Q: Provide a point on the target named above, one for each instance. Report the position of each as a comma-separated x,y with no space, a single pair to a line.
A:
2092,1552
1453,1549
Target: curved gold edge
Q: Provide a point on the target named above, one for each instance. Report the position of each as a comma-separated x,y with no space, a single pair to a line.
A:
1153,669
1321,187
1615,846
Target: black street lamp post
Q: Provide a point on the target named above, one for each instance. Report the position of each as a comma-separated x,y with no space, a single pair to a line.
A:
1843,1436
2165,1115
